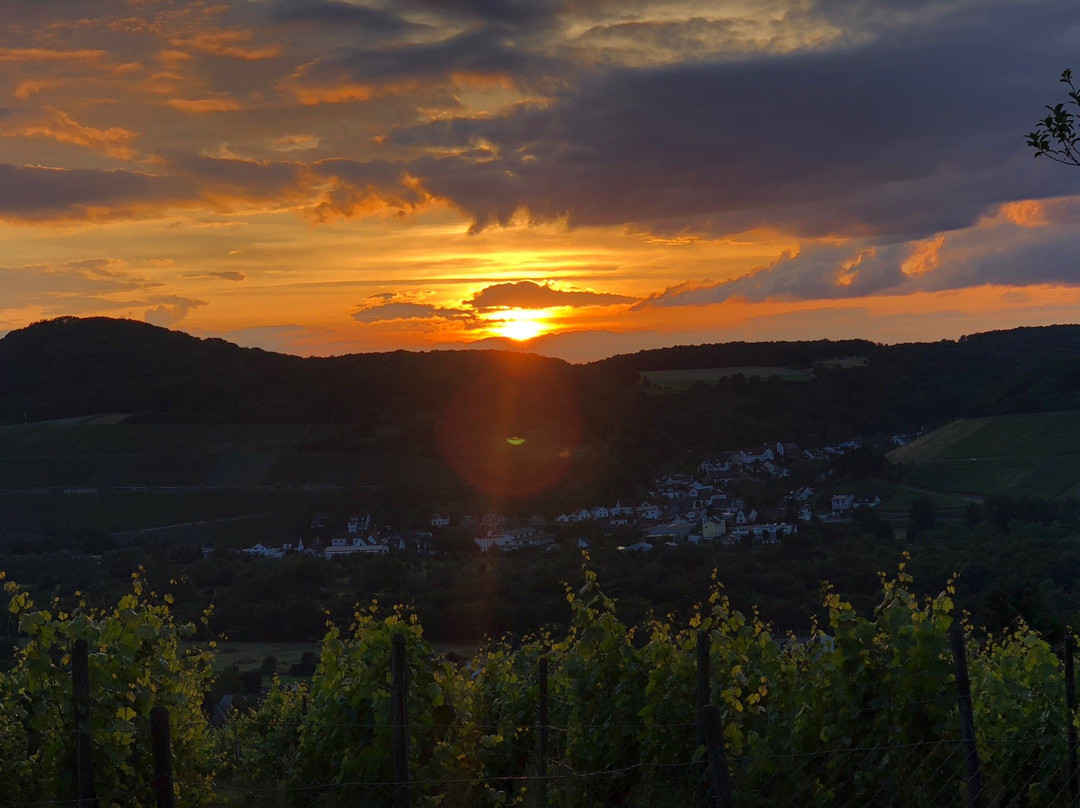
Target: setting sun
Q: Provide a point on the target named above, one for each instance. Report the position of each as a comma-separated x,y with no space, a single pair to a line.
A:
521,324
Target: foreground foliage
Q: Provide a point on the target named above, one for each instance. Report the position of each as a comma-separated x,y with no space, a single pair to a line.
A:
861,712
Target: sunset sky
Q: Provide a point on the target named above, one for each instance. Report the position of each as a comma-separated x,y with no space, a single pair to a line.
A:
329,176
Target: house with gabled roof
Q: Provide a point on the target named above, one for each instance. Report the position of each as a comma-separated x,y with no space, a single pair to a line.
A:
646,510
842,502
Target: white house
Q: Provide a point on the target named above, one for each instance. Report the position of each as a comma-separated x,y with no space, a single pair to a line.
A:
647,510
670,532
712,529
736,534
640,547
530,537
516,539
745,517
358,545
842,502
771,533
438,520
262,551
599,512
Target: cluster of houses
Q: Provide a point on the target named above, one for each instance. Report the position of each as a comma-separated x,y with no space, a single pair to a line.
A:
681,508
358,538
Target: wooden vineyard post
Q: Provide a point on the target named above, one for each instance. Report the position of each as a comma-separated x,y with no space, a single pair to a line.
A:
712,728
399,704
161,747
1070,715
703,697
967,718
84,766
704,685
543,720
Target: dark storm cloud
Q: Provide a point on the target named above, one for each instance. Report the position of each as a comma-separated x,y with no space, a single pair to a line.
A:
182,178
358,187
530,295
485,51
171,309
856,15
334,12
1044,255
33,193
246,179
999,254
904,136
815,274
227,275
407,310
507,11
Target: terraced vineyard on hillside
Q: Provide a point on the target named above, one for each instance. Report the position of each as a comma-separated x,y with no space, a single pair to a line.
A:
1021,455
61,476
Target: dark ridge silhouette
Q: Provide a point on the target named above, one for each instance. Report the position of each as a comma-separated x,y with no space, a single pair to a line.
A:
741,354
458,402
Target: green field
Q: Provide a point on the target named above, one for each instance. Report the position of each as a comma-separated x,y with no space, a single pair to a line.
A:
897,498
1020,455
250,655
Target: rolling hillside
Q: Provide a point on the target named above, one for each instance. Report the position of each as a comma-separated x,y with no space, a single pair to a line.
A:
127,409
1033,454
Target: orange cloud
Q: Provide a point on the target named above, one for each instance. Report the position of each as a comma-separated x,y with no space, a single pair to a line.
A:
204,105
30,87
330,93
163,83
173,57
924,256
46,55
291,143
310,92
61,127
1025,213
233,43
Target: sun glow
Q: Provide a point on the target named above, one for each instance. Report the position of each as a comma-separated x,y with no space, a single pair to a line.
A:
520,324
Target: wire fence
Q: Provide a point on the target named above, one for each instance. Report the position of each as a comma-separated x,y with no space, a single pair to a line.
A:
551,753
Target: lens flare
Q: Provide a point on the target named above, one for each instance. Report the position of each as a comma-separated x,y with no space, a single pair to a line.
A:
511,427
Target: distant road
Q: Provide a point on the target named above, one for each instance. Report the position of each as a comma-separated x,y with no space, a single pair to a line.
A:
141,530
967,496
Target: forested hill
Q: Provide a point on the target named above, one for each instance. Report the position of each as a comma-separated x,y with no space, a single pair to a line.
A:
408,401
740,354
70,366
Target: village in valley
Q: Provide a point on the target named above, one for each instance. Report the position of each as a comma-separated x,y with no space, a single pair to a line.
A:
696,507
